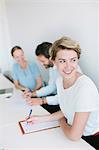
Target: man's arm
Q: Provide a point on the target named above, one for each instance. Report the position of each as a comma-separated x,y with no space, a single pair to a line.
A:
51,87
51,100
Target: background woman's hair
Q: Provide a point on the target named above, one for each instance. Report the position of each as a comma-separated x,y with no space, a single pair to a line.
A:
14,49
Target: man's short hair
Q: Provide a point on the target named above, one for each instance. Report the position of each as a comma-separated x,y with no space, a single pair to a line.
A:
43,49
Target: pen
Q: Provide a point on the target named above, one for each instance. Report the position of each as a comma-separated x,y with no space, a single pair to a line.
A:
30,113
30,90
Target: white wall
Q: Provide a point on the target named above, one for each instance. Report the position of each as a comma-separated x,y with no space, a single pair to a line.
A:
98,52
5,44
33,21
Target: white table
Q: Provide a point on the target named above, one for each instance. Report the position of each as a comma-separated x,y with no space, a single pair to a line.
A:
15,109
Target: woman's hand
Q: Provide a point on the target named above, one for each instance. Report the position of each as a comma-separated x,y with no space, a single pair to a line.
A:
27,94
38,119
50,117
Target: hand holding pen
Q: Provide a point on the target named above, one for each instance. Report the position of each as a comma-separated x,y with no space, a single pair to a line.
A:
27,93
29,116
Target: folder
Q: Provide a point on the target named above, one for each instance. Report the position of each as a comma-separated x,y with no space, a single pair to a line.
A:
27,128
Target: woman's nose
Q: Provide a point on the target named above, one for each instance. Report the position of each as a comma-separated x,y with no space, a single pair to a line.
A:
68,65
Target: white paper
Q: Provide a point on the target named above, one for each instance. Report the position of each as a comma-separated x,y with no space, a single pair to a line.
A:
28,128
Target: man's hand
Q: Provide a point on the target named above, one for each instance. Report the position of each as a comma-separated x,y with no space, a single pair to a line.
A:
34,94
34,101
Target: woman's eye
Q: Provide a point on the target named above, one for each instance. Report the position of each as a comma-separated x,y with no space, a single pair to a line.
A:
74,60
62,61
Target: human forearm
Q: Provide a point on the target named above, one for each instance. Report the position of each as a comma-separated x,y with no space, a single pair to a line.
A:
67,129
38,84
56,116
36,101
47,90
37,88
18,86
44,118
75,131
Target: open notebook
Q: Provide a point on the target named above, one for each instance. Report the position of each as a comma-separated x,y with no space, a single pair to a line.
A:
27,128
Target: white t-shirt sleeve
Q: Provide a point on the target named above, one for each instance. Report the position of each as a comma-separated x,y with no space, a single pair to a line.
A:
52,100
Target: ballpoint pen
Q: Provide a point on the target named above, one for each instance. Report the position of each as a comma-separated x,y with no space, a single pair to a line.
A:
29,114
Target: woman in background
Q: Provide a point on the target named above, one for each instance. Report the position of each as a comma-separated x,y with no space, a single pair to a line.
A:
26,76
77,96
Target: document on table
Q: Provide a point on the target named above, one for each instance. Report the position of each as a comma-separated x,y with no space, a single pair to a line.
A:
27,128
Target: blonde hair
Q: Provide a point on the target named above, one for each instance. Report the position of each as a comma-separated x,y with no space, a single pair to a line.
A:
62,44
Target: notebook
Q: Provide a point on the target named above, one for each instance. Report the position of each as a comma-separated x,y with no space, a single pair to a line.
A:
27,128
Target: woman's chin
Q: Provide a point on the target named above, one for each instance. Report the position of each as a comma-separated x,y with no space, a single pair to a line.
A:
68,78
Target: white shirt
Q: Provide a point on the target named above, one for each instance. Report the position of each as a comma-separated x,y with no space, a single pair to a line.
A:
83,96
51,87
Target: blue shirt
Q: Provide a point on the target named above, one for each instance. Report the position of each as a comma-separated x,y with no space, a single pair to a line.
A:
26,77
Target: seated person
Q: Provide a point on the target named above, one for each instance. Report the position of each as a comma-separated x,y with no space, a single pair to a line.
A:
77,96
43,55
26,76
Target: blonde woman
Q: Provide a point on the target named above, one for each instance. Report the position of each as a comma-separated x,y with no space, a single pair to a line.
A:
77,97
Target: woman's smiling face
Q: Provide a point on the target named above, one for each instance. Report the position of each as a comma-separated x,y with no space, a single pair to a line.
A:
66,62
18,55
